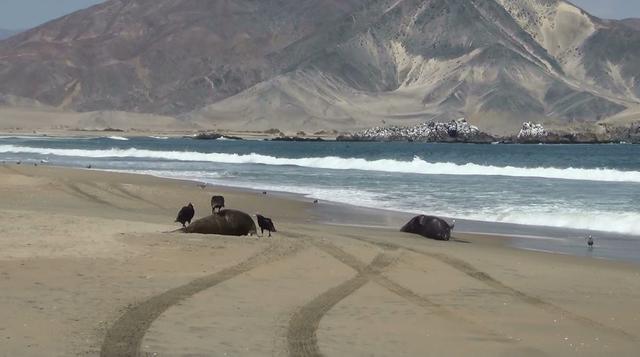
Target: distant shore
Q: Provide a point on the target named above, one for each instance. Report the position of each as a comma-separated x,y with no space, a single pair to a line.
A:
245,135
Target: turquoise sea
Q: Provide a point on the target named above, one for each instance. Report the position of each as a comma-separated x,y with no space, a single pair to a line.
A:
574,189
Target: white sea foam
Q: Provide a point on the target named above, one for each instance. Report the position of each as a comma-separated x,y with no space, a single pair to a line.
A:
183,175
582,219
618,222
416,166
159,137
559,217
120,138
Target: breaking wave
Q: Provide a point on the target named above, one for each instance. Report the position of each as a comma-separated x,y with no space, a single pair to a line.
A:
415,166
120,138
559,217
617,222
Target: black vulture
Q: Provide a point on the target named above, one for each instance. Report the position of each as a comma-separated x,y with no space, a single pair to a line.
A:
265,223
186,214
217,202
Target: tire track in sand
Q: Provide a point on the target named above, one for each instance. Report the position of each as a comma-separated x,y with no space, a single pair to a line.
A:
468,269
410,295
125,193
124,338
303,325
301,337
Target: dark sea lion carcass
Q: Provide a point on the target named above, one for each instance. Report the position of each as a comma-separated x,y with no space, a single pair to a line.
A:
429,227
226,222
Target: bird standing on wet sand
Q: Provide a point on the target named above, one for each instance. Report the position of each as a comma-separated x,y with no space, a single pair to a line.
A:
590,241
186,214
265,223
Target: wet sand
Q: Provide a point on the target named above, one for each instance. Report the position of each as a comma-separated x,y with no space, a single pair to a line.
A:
86,269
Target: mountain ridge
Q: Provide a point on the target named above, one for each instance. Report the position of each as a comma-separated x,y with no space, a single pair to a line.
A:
6,33
328,64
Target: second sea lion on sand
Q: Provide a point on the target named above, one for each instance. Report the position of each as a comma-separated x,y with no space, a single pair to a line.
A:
429,227
227,222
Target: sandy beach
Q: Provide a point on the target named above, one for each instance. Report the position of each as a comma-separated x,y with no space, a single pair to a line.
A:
87,269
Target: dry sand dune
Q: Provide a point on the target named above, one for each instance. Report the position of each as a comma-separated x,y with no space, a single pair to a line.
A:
85,269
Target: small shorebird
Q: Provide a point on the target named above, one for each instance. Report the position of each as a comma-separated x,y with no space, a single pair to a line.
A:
590,241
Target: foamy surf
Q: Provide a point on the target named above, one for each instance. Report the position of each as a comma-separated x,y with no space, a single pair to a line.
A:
119,138
558,217
415,166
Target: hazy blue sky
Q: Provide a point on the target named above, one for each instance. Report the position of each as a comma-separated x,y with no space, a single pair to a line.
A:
611,9
23,14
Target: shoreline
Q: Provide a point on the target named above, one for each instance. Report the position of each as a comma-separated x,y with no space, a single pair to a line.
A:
561,228
548,239
84,261
620,247
250,135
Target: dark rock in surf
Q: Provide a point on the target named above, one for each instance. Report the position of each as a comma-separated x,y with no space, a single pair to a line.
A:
296,138
227,222
429,227
205,136
212,136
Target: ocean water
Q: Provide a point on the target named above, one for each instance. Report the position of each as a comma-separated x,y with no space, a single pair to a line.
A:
583,187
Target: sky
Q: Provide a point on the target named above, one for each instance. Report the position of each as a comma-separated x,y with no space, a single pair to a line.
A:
24,14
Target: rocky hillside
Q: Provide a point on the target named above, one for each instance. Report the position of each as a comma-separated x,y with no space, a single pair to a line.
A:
332,64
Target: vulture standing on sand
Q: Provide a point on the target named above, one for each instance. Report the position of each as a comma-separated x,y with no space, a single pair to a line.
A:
186,214
265,223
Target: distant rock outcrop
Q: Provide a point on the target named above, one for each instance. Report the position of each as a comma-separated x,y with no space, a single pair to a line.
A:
459,131
454,131
531,132
594,134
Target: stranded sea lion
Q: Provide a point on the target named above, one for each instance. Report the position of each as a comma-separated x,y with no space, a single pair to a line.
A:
228,222
186,214
265,223
217,202
429,227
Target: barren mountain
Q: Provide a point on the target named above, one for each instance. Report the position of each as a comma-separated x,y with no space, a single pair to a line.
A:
324,64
